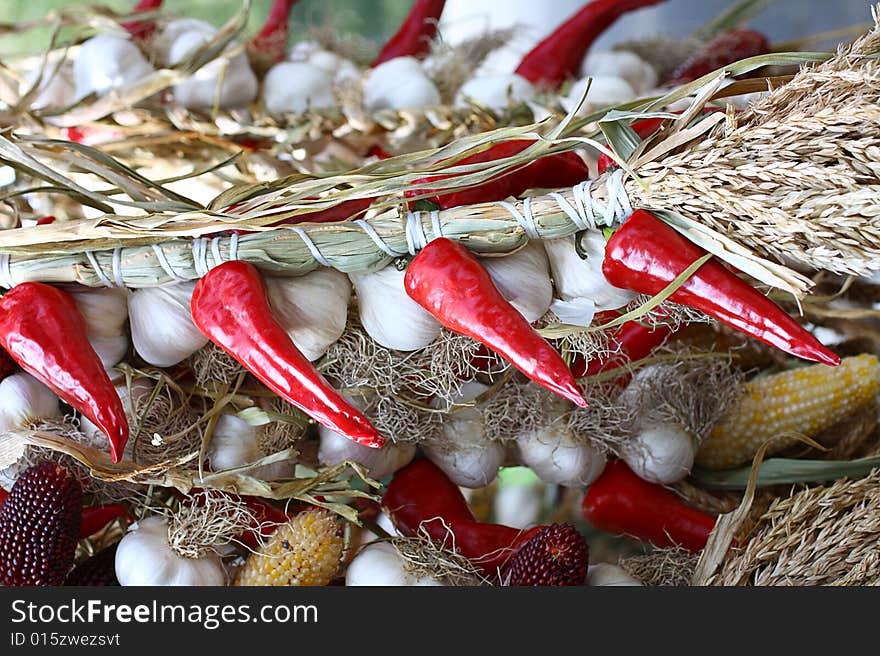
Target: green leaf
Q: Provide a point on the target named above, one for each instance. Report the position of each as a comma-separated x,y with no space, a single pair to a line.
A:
736,15
779,471
621,137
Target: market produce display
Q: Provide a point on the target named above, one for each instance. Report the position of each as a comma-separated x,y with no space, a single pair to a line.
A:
332,312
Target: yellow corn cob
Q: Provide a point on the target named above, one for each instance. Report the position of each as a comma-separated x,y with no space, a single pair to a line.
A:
802,401
304,551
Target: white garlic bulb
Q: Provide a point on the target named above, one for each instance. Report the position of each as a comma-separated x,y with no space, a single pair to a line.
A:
518,505
233,444
523,278
24,399
605,90
144,557
399,83
660,452
162,328
104,310
554,454
110,350
313,308
581,277
463,452
297,88
389,315
610,575
338,68
106,62
57,87
336,448
165,38
640,75
301,51
497,92
380,564
203,89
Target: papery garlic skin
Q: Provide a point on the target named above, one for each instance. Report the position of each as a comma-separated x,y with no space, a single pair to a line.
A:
399,83
291,87
338,68
576,277
605,91
23,400
162,328
57,88
518,506
523,278
336,448
463,452
660,452
203,89
144,557
556,457
497,92
106,62
380,564
105,310
312,309
233,444
165,39
389,315
640,75
606,574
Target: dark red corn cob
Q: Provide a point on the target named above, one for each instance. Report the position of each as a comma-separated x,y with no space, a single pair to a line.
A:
558,555
99,570
724,49
39,526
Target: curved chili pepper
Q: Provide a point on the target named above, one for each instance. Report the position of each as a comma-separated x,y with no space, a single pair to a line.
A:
271,41
559,56
553,171
94,518
451,284
621,503
420,498
7,365
724,49
43,331
415,34
343,212
143,30
229,306
645,255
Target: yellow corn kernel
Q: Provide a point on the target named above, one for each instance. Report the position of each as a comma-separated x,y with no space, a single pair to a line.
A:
304,551
802,401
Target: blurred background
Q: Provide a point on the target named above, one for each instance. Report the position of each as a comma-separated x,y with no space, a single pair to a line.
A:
781,20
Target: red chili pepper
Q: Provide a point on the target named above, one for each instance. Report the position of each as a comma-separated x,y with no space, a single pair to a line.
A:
632,340
421,498
621,503
343,212
415,34
271,41
94,518
645,255
377,151
229,306
724,49
559,56
451,284
553,171
143,30
43,331
7,365
46,220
